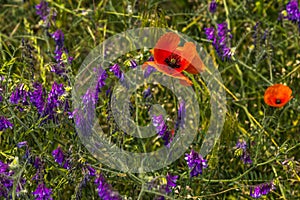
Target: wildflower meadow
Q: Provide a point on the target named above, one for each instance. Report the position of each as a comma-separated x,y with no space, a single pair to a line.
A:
136,99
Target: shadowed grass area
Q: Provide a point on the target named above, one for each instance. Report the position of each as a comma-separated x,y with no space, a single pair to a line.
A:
264,49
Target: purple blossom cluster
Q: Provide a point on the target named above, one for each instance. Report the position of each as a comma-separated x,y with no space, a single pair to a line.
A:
20,95
53,100
213,6
61,53
7,181
117,71
171,182
84,115
162,129
149,70
42,192
37,97
293,12
60,158
220,40
243,151
261,189
5,123
43,10
181,115
104,189
195,162
46,107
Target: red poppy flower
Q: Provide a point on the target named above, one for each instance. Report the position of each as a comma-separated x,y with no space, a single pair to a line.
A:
277,95
172,60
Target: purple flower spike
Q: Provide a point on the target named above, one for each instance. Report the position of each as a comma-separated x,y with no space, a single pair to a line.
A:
293,12
42,10
102,76
147,93
117,72
58,155
181,115
195,162
213,6
133,64
149,71
210,33
220,40
37,97
58,37
171,182
19,95
22,144
92,171
162,129
42,192
261,189
245,155
5,123
105,191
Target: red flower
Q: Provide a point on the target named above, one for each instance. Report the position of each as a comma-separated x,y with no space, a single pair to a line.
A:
171,59
277,95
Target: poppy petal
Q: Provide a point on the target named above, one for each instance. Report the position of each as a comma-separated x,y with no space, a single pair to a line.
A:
165,46
196,65
277,95
170,72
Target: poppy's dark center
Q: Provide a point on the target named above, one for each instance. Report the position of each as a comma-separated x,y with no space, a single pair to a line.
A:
278,101
173,61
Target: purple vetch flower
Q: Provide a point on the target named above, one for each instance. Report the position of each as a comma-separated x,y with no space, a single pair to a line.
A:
181,115
242,151
37,163
210,33
58,155
5,123
171,182
37,97
159,124
213,6
42,192
149,70
102,76
7,181
162,129
58,37
220,40
42,10
261,189
195,162
19,95
22,144
91,170
117,71
3,167
58,54
147,92
105,191
53,100
293,13
241,144
133,64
